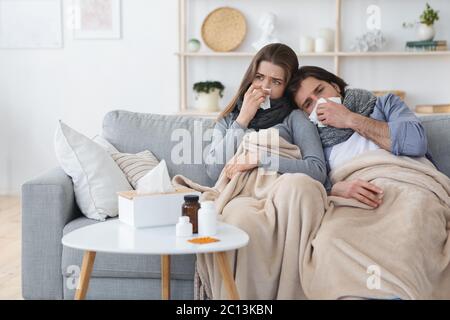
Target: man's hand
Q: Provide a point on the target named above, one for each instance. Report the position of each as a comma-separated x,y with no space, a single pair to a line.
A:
363,191
242,163
334,114
337,115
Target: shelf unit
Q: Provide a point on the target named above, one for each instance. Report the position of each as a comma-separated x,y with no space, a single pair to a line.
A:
325,54
184,55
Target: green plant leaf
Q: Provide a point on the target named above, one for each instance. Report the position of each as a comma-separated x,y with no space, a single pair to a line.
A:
429,15
208,86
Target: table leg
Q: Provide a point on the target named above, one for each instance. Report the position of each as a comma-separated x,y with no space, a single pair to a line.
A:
227,276
165,277
85,275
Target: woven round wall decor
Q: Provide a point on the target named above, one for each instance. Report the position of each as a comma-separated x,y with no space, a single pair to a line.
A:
224,29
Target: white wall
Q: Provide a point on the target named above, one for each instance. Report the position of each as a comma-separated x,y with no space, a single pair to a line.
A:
83,81
87,78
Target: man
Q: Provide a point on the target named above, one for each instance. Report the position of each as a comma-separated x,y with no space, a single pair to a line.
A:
362,123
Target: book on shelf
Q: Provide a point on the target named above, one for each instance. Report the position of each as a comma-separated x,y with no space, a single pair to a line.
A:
426,43
427,48
439,45
433,108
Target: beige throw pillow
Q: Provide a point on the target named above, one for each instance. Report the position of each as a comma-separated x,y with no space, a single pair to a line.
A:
135,166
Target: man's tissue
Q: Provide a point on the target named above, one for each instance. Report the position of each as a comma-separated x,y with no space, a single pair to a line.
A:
313,116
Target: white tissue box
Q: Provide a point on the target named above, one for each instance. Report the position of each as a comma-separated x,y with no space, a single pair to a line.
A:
151,209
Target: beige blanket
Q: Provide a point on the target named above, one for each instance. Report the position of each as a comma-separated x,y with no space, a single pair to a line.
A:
281,214
397,250
305,244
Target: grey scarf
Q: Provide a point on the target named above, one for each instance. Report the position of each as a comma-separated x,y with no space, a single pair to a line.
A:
356,100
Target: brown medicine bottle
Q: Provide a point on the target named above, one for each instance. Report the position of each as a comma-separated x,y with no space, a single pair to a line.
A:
190,208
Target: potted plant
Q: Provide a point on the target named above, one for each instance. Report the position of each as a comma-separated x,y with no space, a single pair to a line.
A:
207,95
426,31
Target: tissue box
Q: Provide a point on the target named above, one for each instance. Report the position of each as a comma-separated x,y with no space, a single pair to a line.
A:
151,209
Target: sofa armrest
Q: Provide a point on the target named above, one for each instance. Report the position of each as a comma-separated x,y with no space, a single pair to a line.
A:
48,204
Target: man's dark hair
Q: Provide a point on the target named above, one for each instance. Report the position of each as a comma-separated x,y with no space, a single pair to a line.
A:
317,73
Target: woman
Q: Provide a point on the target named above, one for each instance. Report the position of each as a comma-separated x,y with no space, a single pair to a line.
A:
266,77
362,122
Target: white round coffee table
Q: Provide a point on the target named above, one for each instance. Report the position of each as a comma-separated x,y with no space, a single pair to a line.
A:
114,236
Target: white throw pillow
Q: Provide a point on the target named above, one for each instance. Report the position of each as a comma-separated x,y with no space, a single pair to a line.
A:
105,144
96,177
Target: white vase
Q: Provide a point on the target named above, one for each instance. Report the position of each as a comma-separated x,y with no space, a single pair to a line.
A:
425,33
328,34
321,45
208,102
306,44
193,45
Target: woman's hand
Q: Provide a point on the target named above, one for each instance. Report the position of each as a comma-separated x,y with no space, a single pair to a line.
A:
253,98
242,163
363,191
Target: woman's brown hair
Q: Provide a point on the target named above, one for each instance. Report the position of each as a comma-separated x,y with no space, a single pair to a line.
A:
277,53
315,72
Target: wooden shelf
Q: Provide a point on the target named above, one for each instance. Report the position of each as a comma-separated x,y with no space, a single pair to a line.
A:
215,54
393,53
246,54
323,54
421,114
196,113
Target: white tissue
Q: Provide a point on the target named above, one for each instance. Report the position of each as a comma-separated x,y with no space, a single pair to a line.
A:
156,180
313,116
266,104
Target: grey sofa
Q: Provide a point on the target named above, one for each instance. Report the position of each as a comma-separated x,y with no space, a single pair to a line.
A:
49,211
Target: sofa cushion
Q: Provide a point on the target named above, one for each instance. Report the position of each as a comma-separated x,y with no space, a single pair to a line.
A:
438,135
125,266
163,135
